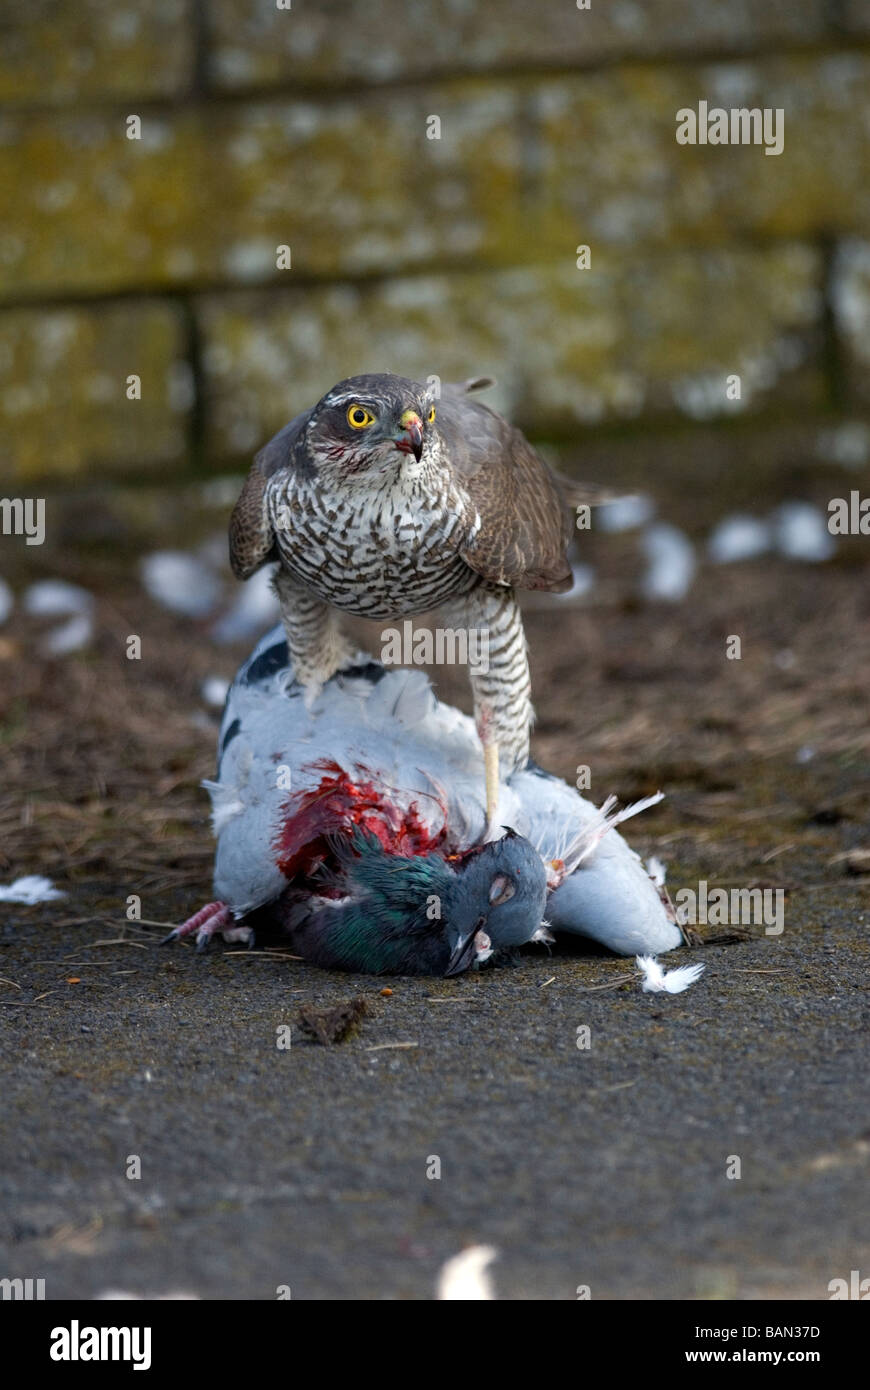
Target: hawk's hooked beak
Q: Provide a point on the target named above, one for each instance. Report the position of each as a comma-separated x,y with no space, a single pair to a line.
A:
410,441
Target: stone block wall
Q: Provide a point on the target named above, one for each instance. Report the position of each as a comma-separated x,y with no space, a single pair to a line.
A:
308,128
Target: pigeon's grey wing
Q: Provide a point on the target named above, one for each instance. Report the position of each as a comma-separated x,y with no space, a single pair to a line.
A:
252,540
271,754
610,897
246,796
518,522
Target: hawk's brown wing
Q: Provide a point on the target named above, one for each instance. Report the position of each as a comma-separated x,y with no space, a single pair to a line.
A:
252,540
524,524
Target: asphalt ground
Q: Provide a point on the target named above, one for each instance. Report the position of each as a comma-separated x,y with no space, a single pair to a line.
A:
610,1167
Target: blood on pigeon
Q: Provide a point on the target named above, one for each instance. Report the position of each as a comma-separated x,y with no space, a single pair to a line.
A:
302,842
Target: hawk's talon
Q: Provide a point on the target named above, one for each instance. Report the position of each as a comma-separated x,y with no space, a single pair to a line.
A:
490,762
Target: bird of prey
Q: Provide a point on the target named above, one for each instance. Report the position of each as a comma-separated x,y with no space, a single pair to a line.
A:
384,501
381,756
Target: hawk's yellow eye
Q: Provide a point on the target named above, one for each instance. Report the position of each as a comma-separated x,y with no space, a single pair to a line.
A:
431,416
360,418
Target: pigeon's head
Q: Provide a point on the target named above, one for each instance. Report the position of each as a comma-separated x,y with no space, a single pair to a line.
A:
420,914
371,425
498,902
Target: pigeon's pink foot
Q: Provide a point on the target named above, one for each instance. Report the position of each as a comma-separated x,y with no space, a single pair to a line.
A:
214,917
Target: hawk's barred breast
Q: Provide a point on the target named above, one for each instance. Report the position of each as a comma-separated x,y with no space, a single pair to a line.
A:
380,553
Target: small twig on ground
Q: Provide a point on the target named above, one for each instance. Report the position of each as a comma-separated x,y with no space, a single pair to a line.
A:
611,984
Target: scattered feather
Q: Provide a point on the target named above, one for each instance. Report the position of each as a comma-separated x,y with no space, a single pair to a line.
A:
847,444
55,598
466,1277
738,538
801,533
214,691
671,563
181,582
71,636
658,981
542,935
625,513
31,889
570,853
253,612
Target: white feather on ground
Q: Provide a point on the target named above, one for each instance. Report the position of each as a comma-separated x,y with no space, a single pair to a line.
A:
254,610
30,890
671,563
70,637
466,1276
55,598
847,444
801,533
214,691
625,513
658,981
182,583
738,537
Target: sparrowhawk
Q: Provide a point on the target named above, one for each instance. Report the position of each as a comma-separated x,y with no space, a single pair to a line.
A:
384,501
